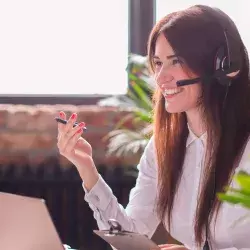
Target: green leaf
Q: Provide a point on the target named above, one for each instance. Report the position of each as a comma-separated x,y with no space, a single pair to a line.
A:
239,191
235,199
141,80
134,98
144,116
143,99
133,77
228,198
244,181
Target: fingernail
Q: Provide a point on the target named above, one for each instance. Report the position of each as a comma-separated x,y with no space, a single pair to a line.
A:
81,124
61,114
73,116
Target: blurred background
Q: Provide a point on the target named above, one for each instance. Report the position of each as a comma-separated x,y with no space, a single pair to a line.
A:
87,57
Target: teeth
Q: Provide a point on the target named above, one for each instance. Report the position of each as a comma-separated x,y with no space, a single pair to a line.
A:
171,91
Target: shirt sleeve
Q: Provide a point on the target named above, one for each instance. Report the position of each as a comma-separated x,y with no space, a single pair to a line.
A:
140,215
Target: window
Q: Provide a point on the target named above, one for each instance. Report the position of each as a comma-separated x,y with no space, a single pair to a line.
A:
63,47
238,12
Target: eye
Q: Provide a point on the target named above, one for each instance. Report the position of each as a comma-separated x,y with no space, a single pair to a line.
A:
176,61
157,64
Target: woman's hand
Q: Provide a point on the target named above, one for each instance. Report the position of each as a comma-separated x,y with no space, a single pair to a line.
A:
76,149
171,247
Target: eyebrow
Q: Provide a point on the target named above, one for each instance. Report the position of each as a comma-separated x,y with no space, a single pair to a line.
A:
168,57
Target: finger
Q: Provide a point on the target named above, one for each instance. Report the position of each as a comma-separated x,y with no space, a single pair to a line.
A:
65,138
60,125
69,148
83,145
67,128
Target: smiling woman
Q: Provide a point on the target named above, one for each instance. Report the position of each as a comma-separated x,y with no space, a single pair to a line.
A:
63,47
200,136
168,70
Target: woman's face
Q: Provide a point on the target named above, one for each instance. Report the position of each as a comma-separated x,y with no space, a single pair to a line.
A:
168,70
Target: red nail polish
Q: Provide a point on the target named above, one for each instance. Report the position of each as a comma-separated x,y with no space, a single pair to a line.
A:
79,131
73,116
81,124
61,114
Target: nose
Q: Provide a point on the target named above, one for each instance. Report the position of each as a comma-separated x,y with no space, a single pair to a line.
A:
163,77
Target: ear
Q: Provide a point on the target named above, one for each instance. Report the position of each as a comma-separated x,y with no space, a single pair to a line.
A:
233,74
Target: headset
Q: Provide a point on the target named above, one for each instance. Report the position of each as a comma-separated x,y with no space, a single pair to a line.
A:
227,58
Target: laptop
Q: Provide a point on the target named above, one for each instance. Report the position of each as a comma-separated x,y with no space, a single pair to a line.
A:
25,224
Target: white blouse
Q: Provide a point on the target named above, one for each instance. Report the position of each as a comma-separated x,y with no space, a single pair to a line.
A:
140,215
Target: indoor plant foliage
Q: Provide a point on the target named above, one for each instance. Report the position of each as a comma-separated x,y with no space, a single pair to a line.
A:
133,132
241,195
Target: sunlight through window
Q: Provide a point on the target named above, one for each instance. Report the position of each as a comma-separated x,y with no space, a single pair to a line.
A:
63,47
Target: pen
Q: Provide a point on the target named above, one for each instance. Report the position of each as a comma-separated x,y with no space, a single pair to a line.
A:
58,119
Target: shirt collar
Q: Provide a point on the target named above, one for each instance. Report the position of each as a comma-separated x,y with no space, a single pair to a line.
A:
192,137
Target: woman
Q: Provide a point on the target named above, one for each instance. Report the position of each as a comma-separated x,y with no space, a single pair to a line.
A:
201,129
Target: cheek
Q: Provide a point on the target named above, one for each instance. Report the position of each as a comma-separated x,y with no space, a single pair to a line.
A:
194,93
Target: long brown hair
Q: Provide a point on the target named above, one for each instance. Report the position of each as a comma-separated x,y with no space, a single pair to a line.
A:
195,35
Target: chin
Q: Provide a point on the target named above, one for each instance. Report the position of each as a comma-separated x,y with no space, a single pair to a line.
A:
173,109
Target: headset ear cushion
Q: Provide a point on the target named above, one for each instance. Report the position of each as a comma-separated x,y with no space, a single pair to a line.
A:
221,60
